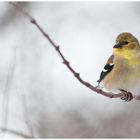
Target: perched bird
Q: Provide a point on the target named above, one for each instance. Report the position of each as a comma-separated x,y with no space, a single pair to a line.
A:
122,70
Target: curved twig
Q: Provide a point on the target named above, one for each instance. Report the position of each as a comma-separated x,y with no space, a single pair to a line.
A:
65,61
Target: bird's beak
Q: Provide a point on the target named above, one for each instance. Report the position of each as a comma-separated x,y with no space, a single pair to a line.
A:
117,45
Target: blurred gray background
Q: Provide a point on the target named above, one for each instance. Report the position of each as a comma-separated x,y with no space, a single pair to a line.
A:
39,97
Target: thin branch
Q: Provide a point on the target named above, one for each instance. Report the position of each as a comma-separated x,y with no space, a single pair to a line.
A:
15,132
65,61
6,93
26,116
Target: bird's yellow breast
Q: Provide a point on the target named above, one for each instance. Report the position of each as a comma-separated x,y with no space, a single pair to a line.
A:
127,54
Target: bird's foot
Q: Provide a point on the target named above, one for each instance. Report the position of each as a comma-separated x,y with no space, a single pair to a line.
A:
127,95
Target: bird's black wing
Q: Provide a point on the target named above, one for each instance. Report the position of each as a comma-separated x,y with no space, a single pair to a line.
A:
107,68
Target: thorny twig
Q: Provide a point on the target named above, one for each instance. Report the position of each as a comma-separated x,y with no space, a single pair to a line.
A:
65,61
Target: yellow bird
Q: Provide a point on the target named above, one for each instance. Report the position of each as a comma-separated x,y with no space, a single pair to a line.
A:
122,70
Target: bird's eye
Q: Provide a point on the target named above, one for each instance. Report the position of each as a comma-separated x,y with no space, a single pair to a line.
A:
126,42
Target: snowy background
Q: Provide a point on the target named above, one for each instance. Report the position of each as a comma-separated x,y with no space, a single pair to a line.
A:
39,97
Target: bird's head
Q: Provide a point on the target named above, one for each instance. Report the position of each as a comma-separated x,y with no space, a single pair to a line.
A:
126,45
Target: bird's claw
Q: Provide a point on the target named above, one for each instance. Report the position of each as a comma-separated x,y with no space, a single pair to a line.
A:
127,96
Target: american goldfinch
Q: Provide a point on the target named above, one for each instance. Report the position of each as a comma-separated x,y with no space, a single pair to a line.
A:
122,70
